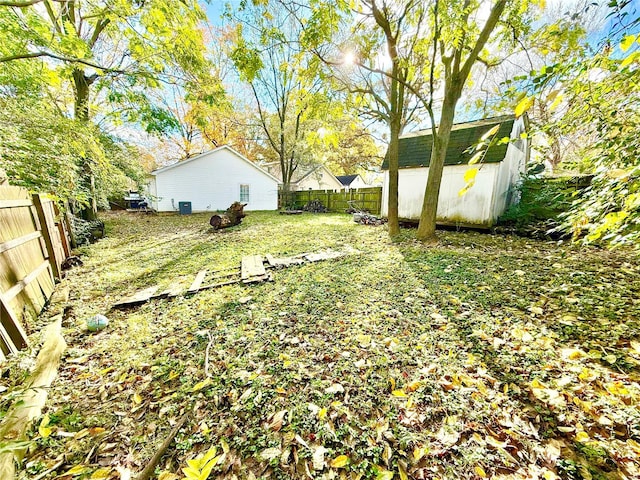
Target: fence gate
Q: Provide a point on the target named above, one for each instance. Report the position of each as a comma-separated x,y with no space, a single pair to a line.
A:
32,249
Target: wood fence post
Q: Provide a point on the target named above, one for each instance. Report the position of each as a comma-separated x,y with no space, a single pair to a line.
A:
46,234
67,221
12,334
62,231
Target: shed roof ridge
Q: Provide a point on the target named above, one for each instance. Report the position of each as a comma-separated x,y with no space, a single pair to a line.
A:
462,125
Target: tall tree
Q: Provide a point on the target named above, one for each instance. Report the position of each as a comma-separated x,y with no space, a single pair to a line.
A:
447,39
461,31
376,62
282,77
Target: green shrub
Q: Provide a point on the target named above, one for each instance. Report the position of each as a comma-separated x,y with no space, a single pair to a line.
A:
542,202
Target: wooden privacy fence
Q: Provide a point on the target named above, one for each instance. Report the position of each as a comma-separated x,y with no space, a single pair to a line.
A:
369,199
33,245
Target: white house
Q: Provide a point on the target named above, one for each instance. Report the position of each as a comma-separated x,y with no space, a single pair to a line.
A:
500,171
316,177
212,181
350,182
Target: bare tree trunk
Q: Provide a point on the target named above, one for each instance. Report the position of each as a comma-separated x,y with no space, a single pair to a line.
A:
81,84
392,155
427,226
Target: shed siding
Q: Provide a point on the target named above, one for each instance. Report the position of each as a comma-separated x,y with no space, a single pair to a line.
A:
473,208
511,171
495,187
212,182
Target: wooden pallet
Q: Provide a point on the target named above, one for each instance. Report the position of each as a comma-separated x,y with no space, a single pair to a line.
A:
253,269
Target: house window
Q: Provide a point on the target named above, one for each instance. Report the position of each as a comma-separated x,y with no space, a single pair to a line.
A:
244,193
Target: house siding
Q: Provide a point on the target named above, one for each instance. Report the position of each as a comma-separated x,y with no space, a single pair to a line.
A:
212,182
320,179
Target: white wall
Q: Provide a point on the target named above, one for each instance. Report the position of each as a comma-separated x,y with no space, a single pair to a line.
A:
511,171
494,190
473,208
319,179
212,182
358,182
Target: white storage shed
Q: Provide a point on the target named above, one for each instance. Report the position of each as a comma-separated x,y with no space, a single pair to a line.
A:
495,185
213,181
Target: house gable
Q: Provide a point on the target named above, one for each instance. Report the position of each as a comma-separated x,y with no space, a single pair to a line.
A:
346,180
415,148
203,156
213,181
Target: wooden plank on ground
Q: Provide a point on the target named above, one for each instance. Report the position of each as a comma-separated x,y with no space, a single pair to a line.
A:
174,290
29,405
252,266
137,298
197,281
270,260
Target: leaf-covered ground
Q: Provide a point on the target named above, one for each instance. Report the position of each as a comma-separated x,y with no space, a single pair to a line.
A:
486,356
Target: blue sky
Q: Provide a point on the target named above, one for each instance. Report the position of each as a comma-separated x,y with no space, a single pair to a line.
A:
215,9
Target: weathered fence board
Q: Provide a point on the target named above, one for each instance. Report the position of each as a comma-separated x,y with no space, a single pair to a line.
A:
33,246
369,199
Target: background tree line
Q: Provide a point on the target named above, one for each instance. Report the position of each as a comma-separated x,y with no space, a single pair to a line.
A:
95,93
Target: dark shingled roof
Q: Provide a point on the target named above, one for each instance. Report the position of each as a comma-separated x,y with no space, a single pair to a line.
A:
415,148
346,179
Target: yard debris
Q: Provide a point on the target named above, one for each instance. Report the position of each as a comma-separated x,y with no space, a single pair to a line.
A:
368,219
315,206
252,270
291,212
363,216
29,406
137,298
233,216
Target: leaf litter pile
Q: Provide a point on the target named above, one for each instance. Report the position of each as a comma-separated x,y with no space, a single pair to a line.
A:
484,357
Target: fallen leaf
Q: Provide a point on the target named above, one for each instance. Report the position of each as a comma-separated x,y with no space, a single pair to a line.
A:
383,474
105,472
318,457
137,399
480,471
582,437
277,420
339,462
335,388
200,385
270,453
398,393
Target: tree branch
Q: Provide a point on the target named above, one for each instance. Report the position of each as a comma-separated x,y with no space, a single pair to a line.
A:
23,56
24,4
488,28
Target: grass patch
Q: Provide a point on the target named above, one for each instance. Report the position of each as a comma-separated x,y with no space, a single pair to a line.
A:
486,355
